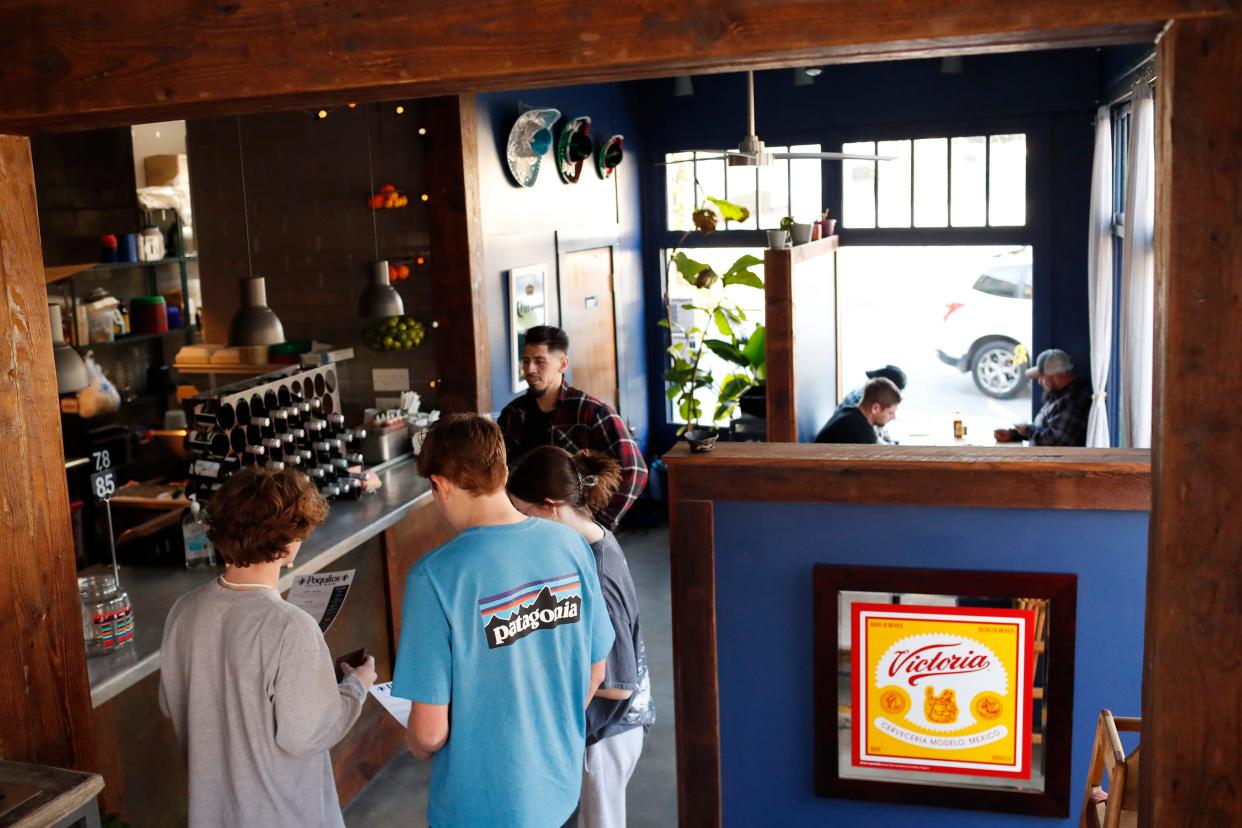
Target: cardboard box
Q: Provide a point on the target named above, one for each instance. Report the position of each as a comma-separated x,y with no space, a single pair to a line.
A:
167,170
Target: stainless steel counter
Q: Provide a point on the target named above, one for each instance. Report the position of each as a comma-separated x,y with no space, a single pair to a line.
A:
153,590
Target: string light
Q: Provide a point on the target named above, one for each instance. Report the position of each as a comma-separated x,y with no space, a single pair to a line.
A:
400,110
420,260
321,114
352,104
435,323
422,130
423,197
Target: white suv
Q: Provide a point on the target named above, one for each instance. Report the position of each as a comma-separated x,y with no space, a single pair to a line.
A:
988,332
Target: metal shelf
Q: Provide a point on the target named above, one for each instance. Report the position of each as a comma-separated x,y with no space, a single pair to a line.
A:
125,340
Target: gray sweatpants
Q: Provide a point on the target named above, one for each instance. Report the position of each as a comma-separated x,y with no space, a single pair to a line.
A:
607,768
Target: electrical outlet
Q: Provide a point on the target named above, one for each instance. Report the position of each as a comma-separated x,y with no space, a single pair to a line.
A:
390,379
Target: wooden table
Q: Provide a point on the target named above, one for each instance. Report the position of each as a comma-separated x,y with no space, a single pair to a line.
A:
64,798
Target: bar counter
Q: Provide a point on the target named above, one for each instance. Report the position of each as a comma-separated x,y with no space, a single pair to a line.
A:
154,590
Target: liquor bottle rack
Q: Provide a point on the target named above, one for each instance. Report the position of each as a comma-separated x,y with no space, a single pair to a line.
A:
286,419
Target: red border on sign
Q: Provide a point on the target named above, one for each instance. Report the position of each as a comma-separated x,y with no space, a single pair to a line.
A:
900,610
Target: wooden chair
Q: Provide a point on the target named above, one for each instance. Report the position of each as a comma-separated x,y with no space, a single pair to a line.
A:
1118,806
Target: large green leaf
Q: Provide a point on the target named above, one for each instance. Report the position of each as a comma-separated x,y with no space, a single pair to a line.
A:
734,386
730,211
726,350
695,273
722,322
755,349
739,272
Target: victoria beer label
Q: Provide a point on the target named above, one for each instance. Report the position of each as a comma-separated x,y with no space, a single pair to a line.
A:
943,689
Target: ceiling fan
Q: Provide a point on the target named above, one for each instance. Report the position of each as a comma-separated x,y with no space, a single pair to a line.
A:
750,151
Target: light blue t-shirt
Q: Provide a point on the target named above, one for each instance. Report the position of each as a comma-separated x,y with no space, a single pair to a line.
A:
505,622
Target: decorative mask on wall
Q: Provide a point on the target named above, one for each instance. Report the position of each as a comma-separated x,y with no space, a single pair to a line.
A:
609,155
572,148
529,140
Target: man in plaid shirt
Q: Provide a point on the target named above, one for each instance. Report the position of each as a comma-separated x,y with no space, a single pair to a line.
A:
553,413
1062,420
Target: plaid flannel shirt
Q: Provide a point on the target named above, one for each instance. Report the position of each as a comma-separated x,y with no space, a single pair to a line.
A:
579,422
1062,419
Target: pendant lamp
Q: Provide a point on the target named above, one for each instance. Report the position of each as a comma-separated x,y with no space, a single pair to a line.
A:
71,375
254,323
380,299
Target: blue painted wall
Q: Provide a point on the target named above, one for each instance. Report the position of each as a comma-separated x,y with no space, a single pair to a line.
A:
520,226
1050,95
764,558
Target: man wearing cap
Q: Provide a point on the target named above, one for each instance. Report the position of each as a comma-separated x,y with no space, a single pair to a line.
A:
854,399
1062,420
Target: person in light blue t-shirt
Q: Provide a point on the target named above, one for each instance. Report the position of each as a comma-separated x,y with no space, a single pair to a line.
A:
504,634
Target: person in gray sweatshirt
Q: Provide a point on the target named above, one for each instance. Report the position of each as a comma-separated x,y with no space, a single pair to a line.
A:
247,679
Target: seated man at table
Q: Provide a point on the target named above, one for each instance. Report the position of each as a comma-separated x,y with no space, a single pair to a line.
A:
852,399
858,424
1062,419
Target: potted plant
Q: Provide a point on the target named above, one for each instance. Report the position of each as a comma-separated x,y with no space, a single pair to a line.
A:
723,331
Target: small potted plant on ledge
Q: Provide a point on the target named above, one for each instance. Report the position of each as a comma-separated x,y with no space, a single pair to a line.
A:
722,331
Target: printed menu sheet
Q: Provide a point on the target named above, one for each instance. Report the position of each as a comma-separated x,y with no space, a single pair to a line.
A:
321,595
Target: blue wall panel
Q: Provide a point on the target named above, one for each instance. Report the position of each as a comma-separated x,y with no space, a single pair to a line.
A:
520,227
764,558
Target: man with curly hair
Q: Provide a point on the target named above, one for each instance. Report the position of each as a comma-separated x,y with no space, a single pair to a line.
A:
247,679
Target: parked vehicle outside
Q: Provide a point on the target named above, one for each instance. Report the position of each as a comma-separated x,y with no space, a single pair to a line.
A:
987,331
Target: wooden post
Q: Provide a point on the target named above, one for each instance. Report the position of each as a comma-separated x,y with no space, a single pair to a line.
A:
45,704
1192,725
455,224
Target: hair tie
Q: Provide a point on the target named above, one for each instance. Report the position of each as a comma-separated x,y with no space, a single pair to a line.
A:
585,482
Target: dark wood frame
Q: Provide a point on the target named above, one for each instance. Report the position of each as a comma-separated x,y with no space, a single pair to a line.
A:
1062,592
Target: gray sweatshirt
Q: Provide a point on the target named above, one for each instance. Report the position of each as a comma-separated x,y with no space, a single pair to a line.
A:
249,685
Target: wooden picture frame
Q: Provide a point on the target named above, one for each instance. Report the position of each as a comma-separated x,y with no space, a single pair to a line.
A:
528,307
1053,664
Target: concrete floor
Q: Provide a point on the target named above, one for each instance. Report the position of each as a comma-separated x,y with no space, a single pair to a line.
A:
398,796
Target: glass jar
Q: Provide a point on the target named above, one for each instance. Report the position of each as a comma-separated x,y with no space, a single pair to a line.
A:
107,614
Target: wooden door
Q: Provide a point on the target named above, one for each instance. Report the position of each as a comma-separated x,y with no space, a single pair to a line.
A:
587,315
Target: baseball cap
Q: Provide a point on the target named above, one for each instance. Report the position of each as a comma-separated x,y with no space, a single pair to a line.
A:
891,373
1051,361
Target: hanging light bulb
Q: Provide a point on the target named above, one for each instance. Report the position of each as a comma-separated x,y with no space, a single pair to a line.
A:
254,323
380,299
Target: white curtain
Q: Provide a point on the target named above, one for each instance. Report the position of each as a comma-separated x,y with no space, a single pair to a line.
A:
1100,277
1139,274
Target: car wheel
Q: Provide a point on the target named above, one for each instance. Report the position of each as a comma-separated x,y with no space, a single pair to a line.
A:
994,371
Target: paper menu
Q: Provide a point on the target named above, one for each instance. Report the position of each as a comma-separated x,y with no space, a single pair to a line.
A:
321,595
398,707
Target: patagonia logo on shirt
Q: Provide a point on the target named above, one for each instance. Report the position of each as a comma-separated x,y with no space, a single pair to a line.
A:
539,605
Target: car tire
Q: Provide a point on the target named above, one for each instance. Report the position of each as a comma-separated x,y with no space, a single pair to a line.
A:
993,370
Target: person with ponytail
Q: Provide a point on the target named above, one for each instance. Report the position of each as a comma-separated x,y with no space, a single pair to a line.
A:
551,483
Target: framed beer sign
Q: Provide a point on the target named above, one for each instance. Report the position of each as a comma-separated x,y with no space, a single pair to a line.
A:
945,687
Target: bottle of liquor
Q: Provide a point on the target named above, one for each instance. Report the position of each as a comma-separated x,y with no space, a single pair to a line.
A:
275,449
280,421
254,455
959,430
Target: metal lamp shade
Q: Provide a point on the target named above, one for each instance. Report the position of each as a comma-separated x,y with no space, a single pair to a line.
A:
380,299
255,323
71,375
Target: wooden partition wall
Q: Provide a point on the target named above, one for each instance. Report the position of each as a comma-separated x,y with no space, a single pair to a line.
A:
224,64
800,295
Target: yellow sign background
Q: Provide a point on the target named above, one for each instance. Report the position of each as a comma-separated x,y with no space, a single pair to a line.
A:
1003,637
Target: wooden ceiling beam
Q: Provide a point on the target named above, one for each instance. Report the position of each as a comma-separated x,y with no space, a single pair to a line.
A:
93,63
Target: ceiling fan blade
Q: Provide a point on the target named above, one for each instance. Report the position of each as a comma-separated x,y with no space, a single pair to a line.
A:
688,160
834,156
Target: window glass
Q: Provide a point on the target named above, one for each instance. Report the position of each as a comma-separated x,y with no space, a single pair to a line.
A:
931,182
806,201
858,187
711,178
968,201
774,191
742,184
1007,180
894,204
679,190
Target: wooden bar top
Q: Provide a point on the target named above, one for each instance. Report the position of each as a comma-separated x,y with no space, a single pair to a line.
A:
1016,477
60,793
